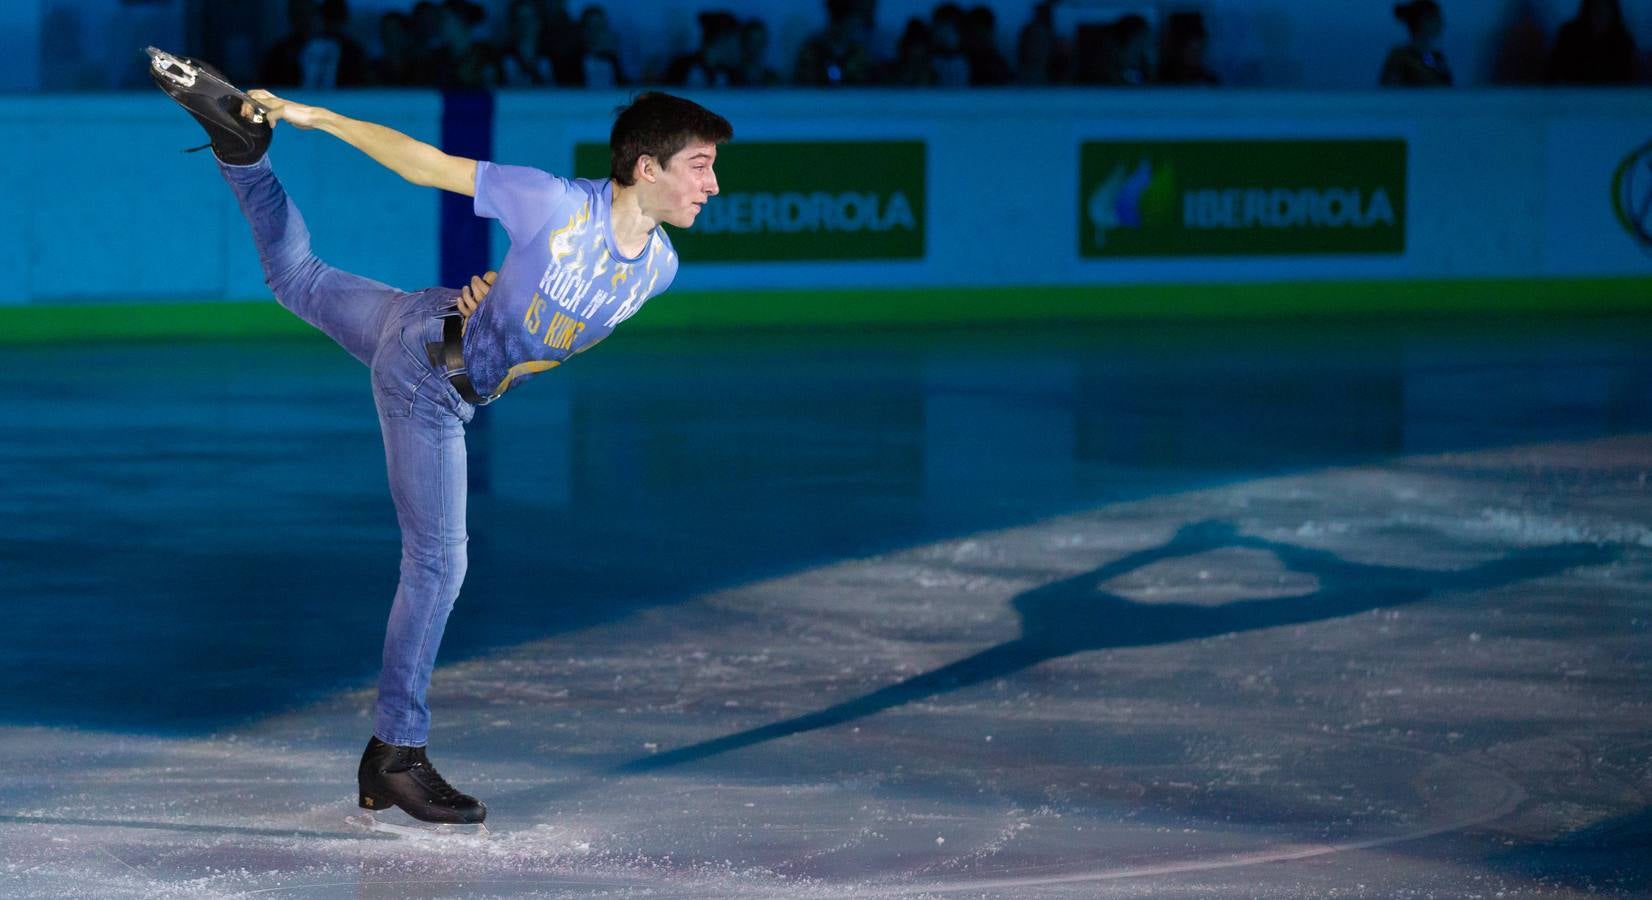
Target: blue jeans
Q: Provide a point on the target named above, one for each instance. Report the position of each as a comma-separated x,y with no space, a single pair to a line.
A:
421,417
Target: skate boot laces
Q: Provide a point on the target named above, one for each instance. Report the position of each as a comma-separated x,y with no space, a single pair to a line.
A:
419,765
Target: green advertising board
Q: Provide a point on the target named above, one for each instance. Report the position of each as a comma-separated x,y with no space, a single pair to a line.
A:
815,200
1241,198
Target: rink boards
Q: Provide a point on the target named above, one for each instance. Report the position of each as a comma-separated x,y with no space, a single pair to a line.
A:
1044,202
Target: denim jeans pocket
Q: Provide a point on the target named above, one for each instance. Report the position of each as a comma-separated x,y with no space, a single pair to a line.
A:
403,375
392,391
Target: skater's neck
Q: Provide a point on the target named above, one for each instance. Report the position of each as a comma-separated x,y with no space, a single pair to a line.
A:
631,224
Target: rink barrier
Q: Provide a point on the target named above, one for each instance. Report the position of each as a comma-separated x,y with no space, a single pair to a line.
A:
1022,198
918,308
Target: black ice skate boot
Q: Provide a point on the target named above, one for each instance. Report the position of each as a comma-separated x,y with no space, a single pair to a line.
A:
393,775
216,104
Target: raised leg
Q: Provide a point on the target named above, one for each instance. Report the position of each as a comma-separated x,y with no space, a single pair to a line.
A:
348,308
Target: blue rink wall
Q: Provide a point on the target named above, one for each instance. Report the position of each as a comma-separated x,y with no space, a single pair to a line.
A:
1499,188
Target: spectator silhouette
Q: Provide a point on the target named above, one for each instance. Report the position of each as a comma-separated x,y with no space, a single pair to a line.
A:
523,61
717,62
1419,62
987,65
349,66
1038,55
1119,53
559,38
599,65
1077,615
399,66
837,54
1522,46
316,53
866,17
283,64
1182,59
912,66
427,36
1594,47
754,52
462,61
946,42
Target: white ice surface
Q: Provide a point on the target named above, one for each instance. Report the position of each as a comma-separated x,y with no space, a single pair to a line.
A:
1424,749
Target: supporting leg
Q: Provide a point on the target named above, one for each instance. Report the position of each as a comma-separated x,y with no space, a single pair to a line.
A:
424,449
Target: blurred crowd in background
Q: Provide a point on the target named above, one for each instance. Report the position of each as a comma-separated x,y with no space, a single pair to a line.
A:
466,44
1592,48
455,44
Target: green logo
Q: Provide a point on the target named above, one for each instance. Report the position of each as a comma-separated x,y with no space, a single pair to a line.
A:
1231,198
1632,195
839,200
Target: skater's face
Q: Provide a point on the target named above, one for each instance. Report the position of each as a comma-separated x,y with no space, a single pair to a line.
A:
684,183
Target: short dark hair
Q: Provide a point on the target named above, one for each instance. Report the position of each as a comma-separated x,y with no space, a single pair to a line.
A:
658,124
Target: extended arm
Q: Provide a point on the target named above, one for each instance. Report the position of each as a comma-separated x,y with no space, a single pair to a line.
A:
413,160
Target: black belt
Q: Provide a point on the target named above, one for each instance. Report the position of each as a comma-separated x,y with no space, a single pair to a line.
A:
448,353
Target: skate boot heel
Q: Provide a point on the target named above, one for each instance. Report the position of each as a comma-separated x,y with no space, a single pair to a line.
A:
368,801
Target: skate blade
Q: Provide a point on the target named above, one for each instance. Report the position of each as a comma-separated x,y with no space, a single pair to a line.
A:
185,75
403,825
172,68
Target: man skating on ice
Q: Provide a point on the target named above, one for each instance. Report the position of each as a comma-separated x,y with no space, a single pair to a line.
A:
584,256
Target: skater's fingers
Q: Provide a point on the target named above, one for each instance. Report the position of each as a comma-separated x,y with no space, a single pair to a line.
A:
469,298
273,111
274,108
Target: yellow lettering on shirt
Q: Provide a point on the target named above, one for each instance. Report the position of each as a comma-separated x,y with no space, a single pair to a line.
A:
562,331
530,321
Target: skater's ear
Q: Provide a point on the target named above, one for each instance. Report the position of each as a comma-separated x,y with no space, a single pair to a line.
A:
648,168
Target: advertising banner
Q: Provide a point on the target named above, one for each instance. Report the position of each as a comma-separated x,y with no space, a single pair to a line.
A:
1599,198
794,201
1241,198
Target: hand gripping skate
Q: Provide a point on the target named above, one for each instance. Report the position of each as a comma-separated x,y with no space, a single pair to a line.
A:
215,103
